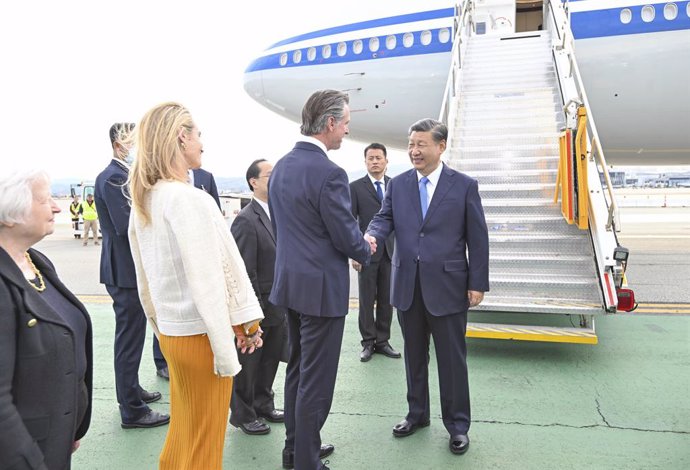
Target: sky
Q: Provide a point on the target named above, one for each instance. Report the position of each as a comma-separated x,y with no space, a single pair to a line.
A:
71,68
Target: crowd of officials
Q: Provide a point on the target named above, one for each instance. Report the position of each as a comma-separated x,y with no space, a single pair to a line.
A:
227,306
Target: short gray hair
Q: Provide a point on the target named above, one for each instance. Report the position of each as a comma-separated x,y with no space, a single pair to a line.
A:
16,194
438,130
319,107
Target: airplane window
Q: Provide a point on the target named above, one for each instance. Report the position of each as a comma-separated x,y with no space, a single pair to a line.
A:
648,13
374,44
326,51
426,37
408,39
311,54
444,35
390,42
297,56
357,46
283,59
342,49
671,11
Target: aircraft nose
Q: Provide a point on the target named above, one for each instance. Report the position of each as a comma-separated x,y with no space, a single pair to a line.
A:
253,82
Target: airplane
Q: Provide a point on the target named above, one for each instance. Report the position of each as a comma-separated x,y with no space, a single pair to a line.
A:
634,58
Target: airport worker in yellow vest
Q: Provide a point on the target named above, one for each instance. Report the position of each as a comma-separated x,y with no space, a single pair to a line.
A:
88,212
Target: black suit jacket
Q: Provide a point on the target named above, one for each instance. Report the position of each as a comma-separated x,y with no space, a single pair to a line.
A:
204,180
365,205
38,387
117,266
253,233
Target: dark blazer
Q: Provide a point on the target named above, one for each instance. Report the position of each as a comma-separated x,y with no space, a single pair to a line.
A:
253,233
204,180
454,225
309,199
39,391
365,205
117,266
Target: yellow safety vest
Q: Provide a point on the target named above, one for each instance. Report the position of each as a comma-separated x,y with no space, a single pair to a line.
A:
74,209
89,210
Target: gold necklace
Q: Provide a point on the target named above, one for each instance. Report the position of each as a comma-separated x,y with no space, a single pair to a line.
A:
41,283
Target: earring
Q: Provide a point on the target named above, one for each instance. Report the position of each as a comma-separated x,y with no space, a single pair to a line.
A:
183,145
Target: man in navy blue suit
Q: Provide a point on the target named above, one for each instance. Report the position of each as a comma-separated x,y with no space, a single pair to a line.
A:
205,181
309,201
119,277
439,220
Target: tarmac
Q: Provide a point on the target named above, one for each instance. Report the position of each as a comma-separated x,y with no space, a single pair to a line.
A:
623,403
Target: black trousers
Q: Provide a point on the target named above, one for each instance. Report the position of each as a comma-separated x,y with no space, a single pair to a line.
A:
448,331
130,333
252,391
309,382
374,288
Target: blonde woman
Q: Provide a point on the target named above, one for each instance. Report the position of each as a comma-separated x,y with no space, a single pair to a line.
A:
193,286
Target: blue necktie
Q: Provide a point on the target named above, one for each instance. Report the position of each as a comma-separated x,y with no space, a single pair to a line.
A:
423,196
379,192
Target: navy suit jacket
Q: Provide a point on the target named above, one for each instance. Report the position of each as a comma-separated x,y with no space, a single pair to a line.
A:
453,228
309,200
204,180
117,266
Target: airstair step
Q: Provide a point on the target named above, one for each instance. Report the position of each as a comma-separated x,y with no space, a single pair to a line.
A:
510,139
533,226
481,117
524,153
520,209
538,243
517,190
544,177
524,126
503,76
472,71
532,332
492,163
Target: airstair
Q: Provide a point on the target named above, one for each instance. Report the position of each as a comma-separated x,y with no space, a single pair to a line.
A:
507,107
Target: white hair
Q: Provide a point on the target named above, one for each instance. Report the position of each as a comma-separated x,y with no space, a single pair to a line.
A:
16,194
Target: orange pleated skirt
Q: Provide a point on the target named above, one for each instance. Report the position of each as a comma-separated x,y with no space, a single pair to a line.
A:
199,406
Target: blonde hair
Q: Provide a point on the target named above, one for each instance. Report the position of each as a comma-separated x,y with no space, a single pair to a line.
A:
159,151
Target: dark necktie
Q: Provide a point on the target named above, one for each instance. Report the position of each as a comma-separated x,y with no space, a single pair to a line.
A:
379,192
423,196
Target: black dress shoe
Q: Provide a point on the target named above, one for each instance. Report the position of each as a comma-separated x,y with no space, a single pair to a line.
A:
289,455
459,444
150,397
163,373
255,428
366,353
273,416
149,420
387,350
404,428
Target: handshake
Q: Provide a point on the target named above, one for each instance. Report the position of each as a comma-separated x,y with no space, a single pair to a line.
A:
372,242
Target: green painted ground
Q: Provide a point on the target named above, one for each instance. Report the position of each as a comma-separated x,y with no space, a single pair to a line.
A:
624,403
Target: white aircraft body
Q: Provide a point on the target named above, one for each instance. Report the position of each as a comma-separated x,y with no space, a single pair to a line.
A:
634,58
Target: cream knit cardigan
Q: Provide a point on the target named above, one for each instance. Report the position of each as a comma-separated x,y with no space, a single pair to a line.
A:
190,275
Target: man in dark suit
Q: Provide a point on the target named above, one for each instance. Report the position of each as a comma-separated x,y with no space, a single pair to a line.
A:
205,181
309,199
119,277
375,279
252,395
439,220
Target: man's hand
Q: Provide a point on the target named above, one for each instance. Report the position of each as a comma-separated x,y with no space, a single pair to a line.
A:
356,266
475,297
372,242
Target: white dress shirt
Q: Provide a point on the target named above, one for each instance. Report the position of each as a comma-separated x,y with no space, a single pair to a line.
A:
433,182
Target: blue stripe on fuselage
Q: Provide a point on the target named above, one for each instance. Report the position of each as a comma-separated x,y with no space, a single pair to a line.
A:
377,23
272,61
604,23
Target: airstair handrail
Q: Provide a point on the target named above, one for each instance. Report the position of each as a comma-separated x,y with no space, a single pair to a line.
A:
462,23
567,47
